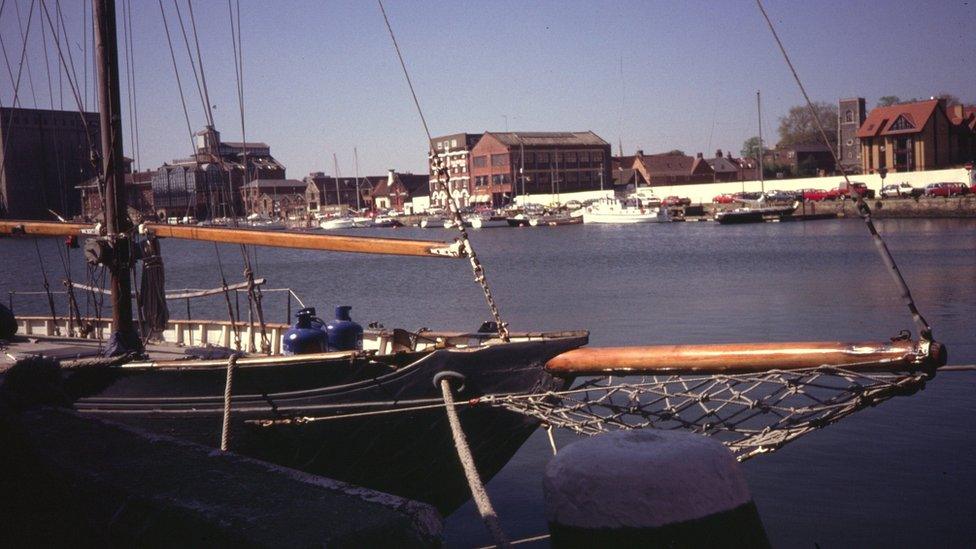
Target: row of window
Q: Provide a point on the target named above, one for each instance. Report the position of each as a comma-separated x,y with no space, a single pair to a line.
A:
567,159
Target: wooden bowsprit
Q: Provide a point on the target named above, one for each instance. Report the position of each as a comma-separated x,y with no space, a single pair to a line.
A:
754,397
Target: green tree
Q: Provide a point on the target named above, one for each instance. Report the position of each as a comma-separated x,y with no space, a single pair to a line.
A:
798,126
950,98
676,152
750,148
888,100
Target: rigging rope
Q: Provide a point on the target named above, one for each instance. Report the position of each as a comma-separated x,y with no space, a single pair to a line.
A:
179,83
478,492
924,330
441,169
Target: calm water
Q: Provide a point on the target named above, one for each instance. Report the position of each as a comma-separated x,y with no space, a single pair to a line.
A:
900,474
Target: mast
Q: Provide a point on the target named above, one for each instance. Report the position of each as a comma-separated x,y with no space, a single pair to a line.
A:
335,168
355,155
762,184
117,222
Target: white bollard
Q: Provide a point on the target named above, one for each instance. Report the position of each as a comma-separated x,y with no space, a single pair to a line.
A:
649,488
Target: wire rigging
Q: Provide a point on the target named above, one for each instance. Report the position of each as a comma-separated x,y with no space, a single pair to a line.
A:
924,330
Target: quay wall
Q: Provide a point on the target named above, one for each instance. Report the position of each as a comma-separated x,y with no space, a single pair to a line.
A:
703,193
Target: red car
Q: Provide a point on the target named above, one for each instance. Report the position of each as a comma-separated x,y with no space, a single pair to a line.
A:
724,199
676,201
843,191
813,195
946,189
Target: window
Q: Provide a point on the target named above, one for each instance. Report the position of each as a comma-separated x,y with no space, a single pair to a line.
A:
480,161
453,143
499,160
499,179
481,181
440,145
902,123
849,116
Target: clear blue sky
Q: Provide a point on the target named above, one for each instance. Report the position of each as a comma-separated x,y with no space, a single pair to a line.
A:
322,77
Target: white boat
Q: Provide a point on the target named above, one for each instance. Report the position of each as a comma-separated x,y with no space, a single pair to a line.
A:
619,211
485,219
334,223
362,222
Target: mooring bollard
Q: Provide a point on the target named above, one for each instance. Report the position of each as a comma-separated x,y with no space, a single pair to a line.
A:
649,488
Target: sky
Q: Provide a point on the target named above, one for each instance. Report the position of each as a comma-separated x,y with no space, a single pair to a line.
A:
321,78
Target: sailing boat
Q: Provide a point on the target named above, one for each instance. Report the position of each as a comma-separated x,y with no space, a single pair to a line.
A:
329,412
760,212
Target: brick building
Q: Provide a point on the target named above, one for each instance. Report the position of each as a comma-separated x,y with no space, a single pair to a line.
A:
922,135
728,168
321,191
275,198
455,152
45,157
208,183
800,160
396,190
138,191
507,164
662,169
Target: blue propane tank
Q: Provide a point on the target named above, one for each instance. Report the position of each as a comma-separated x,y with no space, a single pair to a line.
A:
344,334
306,336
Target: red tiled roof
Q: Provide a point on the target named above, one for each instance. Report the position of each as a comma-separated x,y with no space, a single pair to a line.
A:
880,119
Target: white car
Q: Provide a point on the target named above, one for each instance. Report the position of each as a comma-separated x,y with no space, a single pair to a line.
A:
897,190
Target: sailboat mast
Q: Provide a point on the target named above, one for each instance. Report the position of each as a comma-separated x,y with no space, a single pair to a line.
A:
117,222
335,168
355,155
762,183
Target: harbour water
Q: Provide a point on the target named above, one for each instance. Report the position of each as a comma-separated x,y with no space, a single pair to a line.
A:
900,474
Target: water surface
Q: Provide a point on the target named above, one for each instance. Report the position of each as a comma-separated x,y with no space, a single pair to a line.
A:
903,473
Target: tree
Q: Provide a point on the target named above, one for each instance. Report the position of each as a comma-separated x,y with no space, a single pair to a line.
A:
798,126
950,98
750,148
676,152
888,100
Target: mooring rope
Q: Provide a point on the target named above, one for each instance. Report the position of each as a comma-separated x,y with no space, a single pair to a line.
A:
478,493
228,389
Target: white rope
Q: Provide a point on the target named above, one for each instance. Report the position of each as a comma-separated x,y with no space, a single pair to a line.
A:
478,492
225,429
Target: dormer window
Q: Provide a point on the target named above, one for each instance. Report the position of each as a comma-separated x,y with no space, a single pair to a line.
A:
902,123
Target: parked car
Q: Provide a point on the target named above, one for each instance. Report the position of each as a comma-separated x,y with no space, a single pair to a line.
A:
746,196
676,201
724,199
946,189
814,195
781,196
856,187
899,190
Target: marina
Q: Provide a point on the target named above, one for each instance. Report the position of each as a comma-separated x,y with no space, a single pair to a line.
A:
176,340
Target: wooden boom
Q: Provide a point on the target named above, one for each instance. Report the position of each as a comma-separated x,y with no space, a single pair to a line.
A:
306,241
277,239
728,358
44,228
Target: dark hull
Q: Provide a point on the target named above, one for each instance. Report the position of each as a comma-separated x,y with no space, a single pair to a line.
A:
406,453
756,215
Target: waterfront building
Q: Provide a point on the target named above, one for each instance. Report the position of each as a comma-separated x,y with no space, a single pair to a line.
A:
45,156
455,152
139,195
850,115
209,183
272,197
663,169
729,168
326,194
921,135
396,190
800,160
506,164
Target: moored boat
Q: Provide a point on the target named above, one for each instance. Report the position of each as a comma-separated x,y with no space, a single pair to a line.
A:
334,223
633,210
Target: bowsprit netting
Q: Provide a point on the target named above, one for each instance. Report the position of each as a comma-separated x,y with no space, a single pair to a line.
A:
751,414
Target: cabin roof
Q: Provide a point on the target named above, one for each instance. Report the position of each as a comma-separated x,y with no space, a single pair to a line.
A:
881,119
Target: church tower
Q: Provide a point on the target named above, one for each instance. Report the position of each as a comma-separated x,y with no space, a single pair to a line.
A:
851,115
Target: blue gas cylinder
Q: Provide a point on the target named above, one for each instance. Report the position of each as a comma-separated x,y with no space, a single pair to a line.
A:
306,336
344,334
